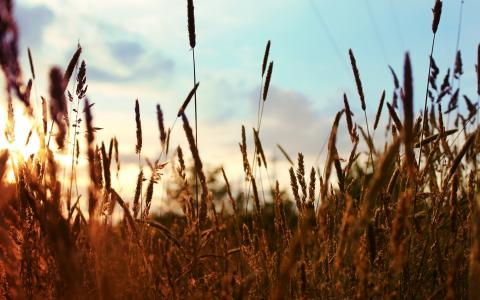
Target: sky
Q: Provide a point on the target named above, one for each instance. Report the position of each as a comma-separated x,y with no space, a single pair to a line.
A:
140,49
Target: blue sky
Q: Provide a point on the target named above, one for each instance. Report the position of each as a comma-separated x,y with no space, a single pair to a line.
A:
139,49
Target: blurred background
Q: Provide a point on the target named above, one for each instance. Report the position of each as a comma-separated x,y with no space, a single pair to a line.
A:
139,49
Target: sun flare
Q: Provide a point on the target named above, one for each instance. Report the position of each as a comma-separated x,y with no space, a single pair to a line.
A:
25,140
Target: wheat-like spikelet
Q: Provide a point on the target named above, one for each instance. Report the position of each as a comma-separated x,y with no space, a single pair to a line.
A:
396,82
258,146
138,192
58,105
437,12
478,70
191,24
92,199
117,160
356,74
161,126
394,116
265,57
294,185
106,168
243,149
199,170
149,196
82,81
408,133
453,103
256,199
138,123
30,61
441,128
458,70
352,158
311,188
348,116
339,171
332,153
301,177
71,66
379,110
267,81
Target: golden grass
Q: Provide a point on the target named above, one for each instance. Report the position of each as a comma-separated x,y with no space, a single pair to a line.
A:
400,231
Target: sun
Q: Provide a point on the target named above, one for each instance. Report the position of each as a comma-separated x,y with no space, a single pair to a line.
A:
25,141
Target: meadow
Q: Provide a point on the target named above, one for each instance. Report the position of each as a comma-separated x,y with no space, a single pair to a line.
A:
400,221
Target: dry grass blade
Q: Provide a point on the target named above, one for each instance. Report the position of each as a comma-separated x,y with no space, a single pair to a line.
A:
434,137
348,115
30,61
332,153
379,110
116,197
163,229
285,154
396,82
229,191
187,100
199,170
381,177
460,155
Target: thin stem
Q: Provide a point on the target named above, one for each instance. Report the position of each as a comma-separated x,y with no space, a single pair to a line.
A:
196,126
370,137
259,122
415,181
423,123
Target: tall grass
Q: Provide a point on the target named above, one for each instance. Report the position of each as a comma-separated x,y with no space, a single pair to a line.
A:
406,230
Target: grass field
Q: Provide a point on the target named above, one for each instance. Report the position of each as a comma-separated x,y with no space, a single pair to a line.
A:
400,221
